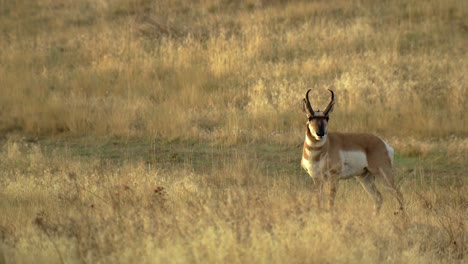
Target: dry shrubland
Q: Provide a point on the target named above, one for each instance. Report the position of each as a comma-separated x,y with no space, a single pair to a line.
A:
167,131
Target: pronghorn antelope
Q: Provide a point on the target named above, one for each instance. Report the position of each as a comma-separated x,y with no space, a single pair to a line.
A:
330,157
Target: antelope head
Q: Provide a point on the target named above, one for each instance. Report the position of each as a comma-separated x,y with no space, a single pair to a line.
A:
317,121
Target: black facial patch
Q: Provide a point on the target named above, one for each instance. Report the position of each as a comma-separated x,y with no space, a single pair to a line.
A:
319,124
321,128
318,117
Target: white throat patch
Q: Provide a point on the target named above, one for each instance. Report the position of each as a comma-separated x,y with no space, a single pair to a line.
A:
320,142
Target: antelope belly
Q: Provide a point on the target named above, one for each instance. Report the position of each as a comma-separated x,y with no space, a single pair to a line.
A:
353,163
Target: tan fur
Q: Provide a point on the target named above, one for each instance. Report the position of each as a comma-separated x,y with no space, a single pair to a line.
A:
330,157
371,145
378,159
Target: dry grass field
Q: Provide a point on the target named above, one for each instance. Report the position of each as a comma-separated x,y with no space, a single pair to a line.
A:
139,131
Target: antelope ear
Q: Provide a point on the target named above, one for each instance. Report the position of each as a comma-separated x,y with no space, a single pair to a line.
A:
304,106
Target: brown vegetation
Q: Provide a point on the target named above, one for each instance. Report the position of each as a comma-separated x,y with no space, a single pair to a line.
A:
167,131
231,71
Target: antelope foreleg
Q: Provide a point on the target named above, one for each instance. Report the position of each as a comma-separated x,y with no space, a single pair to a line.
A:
332,189
318,190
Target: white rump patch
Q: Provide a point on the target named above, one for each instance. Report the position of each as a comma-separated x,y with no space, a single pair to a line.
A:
353,163
390,151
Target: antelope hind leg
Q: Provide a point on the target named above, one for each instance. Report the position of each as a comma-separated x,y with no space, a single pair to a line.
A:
368,183
388,179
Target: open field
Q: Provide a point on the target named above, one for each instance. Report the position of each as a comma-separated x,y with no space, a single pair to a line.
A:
169,131
232,72
190,202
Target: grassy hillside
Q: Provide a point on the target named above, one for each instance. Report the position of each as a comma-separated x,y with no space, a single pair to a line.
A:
170,131
232,71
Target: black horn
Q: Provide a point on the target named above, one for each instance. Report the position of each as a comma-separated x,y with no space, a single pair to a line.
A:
329,108
307,107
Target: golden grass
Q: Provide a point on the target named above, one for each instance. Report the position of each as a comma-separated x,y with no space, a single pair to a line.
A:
57,208
228,75
232,72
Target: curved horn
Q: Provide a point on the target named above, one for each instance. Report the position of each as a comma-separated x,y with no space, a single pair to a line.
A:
307,107
329,108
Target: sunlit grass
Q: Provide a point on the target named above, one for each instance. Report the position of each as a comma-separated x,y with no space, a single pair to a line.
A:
213,71
58,208
170,131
